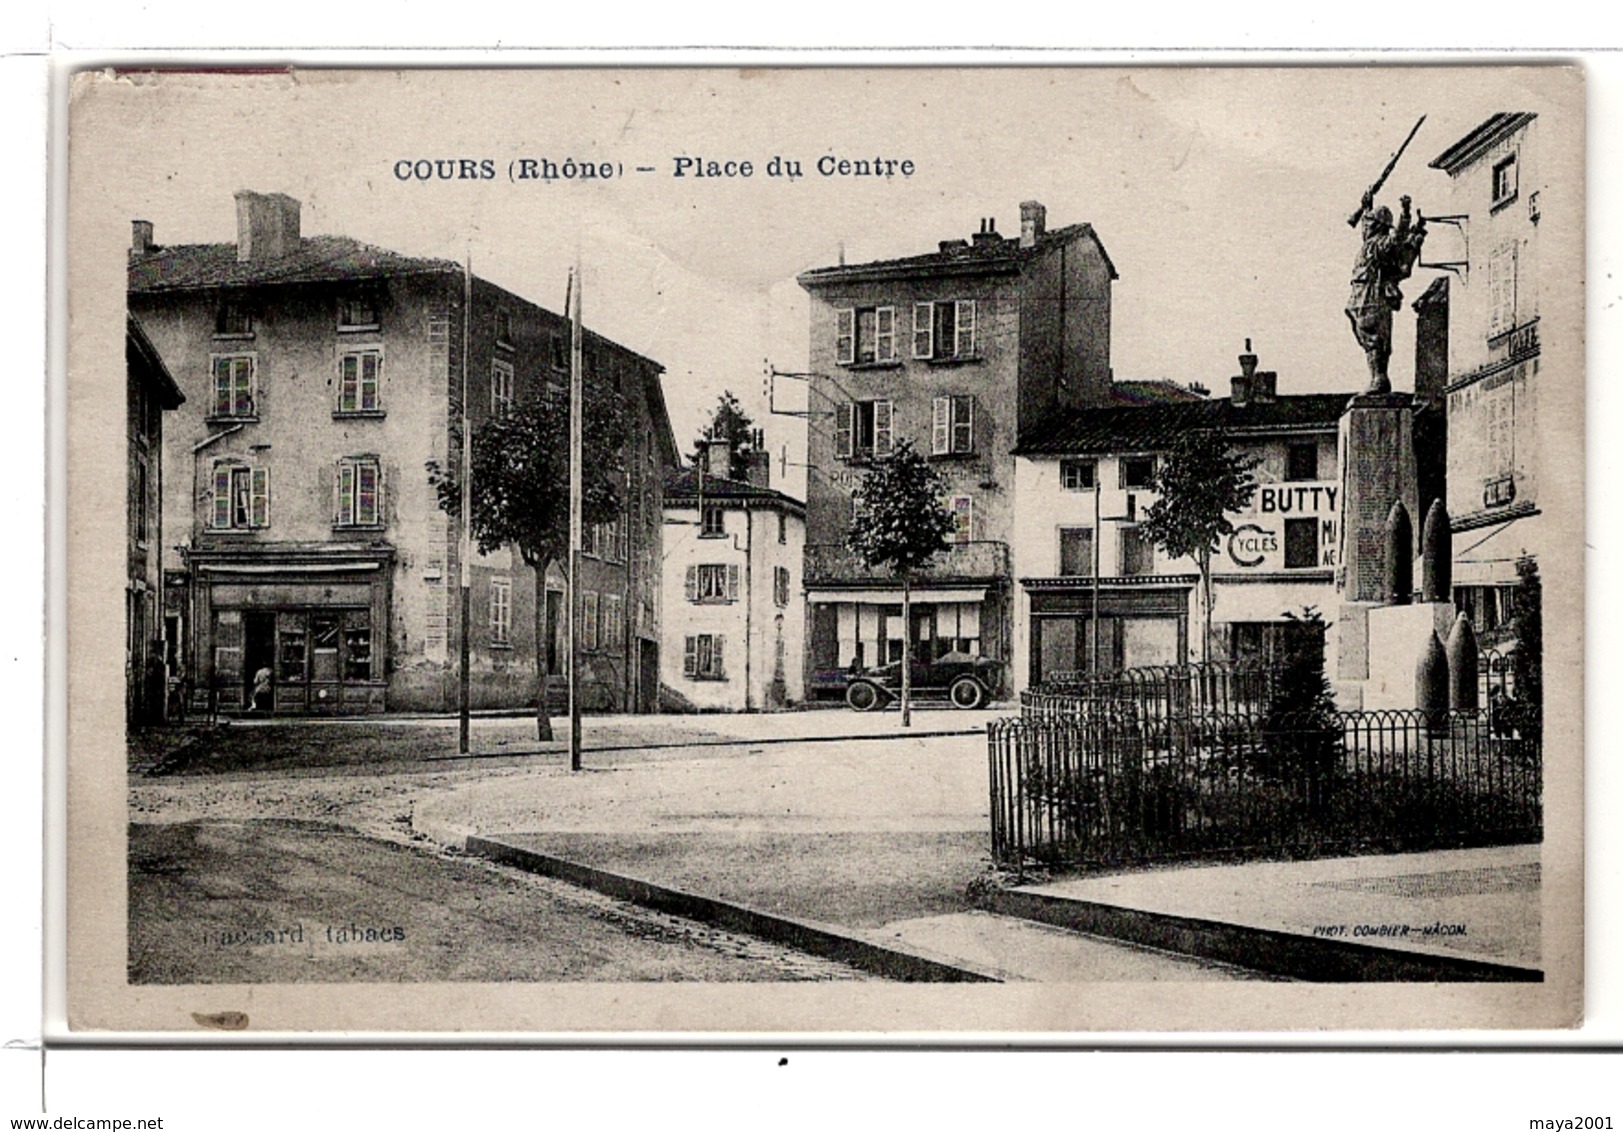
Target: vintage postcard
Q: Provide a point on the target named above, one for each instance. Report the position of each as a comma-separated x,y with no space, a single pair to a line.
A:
849,551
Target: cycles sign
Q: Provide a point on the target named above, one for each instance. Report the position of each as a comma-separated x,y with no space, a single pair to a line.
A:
1290,526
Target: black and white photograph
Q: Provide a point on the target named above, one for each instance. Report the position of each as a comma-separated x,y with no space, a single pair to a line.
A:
770,550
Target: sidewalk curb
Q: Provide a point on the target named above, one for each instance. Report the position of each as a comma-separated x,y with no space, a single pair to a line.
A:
1271,951
821,940
559,747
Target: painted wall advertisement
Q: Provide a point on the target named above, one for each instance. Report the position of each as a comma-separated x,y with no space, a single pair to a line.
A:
1290,526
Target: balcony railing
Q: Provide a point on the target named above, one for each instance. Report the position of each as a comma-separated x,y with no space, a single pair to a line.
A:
966,561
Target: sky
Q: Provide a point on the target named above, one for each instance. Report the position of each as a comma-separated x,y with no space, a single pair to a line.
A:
1221,195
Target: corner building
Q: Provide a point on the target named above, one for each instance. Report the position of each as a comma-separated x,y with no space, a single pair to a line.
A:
961,351
321,376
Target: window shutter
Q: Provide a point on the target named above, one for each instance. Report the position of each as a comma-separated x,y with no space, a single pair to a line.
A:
881,428
941,426
690,655
348,383
243,382
260,497
923,331
718,663
965,346
371,493
732,583
842,428
346,493
371,379
693,585
222,497
222,387
885,334
845,336
963,424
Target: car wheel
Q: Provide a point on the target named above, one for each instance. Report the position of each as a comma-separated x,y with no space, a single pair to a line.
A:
967,693
862,696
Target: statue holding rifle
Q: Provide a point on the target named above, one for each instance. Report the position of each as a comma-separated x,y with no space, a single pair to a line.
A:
1386,257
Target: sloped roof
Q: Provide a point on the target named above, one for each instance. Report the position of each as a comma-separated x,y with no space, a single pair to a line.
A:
683,486
1001,254
1475,143
1154,427
141,356
318,259
1156,391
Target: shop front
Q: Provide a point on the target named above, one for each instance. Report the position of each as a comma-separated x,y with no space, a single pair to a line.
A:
858,629
291,633
1076,627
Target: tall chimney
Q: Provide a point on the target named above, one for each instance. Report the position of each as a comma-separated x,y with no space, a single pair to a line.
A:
140,238
267,225
718,458
1033,222
1240,383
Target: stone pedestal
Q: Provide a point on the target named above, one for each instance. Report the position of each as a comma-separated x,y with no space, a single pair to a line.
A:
1377,470
1398,637
1376,446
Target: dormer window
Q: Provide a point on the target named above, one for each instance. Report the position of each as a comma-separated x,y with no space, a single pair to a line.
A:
357,312
233,320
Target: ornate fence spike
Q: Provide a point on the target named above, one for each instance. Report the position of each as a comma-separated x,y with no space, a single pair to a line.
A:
1462,666
1437,555
1399,555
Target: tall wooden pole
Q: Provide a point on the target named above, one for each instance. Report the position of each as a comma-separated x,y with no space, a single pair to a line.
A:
465,551
576,411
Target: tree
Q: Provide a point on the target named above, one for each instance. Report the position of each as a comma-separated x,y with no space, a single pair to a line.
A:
520,492
729,422
1201,482
1301,729
899,525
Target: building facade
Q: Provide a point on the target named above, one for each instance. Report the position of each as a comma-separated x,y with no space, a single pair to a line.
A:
150,392
1495,357
960,351
1094,593
734,617
323,377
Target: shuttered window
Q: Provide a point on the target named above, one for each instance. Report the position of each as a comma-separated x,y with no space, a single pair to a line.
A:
241,497
952,426
234,379
360,376
360,492
703,656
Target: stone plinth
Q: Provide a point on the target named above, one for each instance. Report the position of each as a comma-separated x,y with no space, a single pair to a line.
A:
1398,638
1377,470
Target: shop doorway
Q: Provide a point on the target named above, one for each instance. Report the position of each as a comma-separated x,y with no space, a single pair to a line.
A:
258,655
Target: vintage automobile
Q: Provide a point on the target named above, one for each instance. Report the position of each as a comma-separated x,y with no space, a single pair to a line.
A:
966,681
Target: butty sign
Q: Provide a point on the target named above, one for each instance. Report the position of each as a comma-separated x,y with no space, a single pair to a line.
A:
1290,526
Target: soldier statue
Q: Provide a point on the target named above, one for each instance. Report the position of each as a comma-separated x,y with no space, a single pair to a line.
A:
1386,258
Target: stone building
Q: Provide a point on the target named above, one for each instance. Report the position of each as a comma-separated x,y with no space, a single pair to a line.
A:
1083,483
961,351
734,617
322,376
150,392
1495,354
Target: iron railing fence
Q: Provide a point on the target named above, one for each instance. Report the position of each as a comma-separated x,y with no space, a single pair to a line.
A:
1108,786
1156,692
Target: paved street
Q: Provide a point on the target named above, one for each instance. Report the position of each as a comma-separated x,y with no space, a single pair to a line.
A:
286,902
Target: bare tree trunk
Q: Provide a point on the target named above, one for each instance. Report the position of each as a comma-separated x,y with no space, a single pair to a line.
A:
543,718
907,648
